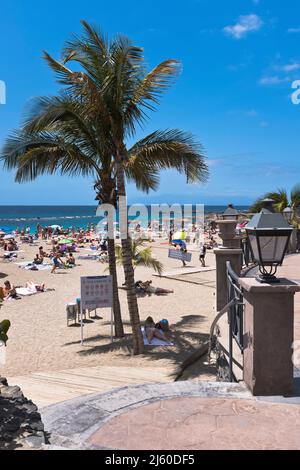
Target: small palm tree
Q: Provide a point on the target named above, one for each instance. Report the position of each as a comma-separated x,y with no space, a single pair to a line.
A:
141,256
281,200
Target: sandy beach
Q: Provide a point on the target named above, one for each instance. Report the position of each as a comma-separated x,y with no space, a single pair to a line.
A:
39,339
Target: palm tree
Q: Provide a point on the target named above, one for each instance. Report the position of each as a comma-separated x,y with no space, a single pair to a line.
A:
140,256
281,200
115,90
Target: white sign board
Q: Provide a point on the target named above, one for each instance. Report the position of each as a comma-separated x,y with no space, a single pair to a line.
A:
177,254
96,292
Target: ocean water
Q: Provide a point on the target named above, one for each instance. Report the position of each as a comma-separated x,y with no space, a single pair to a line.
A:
12,217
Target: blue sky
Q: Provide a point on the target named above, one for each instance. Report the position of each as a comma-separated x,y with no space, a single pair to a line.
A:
239,59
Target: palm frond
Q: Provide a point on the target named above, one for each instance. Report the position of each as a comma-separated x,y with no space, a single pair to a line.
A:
171,149
140,256
36,154
145,258
64,75
279,197
295,197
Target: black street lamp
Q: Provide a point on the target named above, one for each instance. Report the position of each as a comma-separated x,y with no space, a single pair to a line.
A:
268,234
288,214
230,213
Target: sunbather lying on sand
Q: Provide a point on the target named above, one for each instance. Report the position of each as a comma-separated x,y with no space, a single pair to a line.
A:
149,289
31,286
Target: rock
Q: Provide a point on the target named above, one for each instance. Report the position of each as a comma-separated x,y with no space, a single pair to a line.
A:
13,425
20,421
11,392
6,437
29,407
35,442
37,426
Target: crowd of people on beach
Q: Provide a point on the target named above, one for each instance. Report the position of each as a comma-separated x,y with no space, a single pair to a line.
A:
64,243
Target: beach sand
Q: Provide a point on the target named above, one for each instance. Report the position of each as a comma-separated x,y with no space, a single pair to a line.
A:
39,339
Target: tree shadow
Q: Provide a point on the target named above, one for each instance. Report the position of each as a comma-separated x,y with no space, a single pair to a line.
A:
118,344
186,343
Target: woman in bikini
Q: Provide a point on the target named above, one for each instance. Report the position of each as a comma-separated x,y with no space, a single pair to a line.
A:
151,331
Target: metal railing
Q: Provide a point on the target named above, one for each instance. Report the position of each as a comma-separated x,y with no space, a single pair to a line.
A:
235,311
247,258
235,314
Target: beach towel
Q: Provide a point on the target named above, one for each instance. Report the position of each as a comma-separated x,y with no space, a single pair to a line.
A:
24,291
6,253
90,257
34,267
155,341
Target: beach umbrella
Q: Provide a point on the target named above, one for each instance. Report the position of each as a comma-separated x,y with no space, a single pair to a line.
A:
55,226
179,236
8,237
65,241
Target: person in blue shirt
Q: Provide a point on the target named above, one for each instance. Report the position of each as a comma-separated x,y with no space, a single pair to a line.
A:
56,263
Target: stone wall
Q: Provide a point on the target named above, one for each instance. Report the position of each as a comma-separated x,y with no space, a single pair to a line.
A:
21,426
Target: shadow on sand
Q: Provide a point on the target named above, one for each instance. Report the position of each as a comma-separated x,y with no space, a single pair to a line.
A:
186,343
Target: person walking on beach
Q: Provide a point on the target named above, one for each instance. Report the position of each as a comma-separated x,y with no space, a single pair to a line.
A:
183,250
56,262
202,254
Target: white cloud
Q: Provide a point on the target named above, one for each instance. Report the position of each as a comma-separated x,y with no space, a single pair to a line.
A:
274,80
294,30
246,24
288,67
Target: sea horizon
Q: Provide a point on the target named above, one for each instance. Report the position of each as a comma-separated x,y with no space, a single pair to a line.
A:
79,216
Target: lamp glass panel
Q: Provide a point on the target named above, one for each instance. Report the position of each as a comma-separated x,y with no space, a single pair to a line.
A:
272,248
253,243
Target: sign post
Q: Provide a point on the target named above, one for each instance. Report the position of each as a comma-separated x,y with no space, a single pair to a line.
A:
96,292
177,254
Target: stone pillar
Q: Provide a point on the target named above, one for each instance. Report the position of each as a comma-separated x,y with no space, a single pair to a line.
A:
228,234
222,256
268,336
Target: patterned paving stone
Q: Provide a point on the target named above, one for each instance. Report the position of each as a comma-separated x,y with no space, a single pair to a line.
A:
203,423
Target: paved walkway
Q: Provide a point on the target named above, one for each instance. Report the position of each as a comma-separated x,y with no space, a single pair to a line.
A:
203,423
179,416
47,388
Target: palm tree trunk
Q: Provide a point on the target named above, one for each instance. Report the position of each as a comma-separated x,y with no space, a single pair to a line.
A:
119,330
138,343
